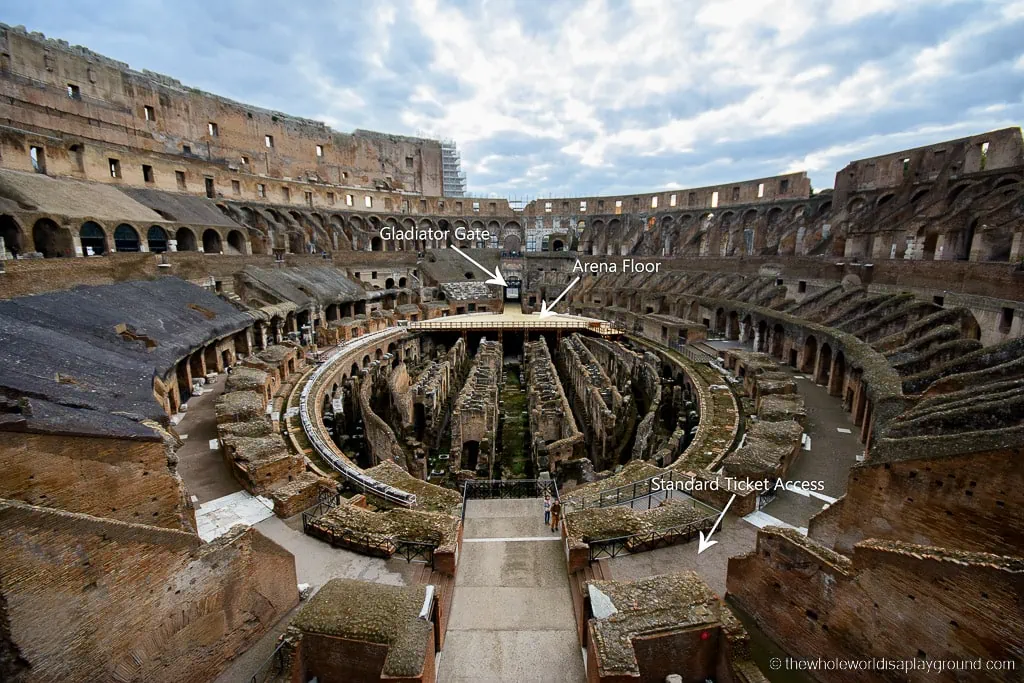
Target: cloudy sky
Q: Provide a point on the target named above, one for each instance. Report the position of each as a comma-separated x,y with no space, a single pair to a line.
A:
595,97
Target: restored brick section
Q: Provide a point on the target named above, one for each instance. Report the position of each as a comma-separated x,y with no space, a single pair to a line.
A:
964,501
125,480
91,599
892,600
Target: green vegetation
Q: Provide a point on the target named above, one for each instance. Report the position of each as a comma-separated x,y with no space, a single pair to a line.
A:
515,457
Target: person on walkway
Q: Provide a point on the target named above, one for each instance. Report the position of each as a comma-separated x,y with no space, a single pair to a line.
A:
547,508
556,514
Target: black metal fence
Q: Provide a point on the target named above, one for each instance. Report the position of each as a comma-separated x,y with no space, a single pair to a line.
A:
649,540
509,488
272,666
362,542
481,489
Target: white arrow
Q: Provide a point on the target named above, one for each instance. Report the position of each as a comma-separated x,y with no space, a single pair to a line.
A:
704,543
546,310
496,278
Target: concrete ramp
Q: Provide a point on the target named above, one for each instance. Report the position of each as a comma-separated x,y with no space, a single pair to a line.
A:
512,617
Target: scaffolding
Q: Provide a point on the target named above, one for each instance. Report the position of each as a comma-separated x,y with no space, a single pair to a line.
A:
453,180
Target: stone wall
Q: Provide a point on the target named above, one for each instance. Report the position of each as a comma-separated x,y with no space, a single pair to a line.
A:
596,401
122,479
892,600
475,417
634,373
962,501
434,388
151,118
555,438
95,599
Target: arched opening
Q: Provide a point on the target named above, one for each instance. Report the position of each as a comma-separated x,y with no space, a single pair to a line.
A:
402,282
918,196
835,385
470,454
156,239
377,244
93,239
126,238
732,329
11,234
884,199
389,283
51,240
762,336
928,251
419,420
186,239
810,354
558,245
211,241
236,242
511,244
366,361
778,338
824,365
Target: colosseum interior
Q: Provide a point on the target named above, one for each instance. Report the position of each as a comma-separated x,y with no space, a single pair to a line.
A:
261,420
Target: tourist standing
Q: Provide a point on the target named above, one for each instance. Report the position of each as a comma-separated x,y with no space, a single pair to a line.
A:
556,514
547,508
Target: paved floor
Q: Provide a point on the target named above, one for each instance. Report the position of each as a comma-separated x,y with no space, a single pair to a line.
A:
203,469
512,617
216,517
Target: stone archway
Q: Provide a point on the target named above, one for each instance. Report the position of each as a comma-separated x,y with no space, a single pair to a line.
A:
810,354
51,240
93,239
186,240
211,241
156,239
126,239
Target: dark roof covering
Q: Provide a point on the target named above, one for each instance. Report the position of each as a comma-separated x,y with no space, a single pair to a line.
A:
183,208
65,348
21,191
305,285
28,414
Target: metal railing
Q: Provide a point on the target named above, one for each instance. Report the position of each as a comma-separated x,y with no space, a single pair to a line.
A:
602,327
649,540
272,666
482,489
690,353
364,542
621,495
326,448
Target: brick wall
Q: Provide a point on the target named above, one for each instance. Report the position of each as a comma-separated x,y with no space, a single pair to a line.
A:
91,599
130,481
964,502
899,605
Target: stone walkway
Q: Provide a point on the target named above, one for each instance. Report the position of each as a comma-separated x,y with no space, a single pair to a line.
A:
512,618
206,475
